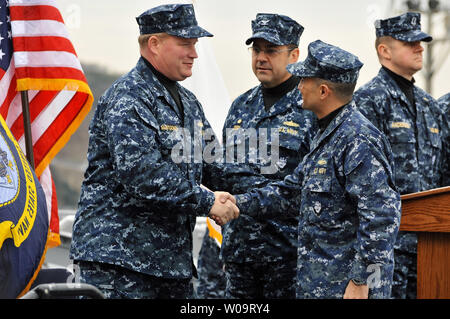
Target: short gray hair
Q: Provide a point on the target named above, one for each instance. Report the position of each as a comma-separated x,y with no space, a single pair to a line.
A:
143,38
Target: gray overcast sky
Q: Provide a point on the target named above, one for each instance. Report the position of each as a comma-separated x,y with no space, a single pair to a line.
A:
105,32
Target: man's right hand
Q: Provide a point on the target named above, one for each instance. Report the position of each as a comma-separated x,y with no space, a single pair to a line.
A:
224,208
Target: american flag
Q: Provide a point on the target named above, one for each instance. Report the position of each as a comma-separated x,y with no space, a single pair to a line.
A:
37,56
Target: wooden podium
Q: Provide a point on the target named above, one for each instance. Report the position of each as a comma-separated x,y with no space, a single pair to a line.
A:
428,214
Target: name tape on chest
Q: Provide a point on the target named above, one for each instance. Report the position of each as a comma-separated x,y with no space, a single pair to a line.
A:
400,125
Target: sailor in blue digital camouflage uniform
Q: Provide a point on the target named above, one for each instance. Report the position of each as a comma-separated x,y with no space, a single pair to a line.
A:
132,236
413,123
344,192
444,102
260,256
211,276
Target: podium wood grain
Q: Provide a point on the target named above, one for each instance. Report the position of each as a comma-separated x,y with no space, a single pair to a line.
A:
427,211
433,266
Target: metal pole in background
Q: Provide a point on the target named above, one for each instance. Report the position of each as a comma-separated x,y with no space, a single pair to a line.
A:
431,9
429,63
27,128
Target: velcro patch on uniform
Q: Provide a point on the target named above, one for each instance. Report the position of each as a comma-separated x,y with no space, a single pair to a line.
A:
166,127
400,125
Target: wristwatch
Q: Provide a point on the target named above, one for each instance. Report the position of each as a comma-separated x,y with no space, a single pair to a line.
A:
359,282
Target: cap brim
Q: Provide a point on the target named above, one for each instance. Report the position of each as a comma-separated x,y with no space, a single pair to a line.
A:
191,32
413,36
300,69
272,38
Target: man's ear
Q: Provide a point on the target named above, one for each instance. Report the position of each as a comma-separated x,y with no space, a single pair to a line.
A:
384,51
324,91
295,54
153,44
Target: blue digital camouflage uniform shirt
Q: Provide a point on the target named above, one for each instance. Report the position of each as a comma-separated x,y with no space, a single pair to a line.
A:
138,206
418,148
250,244
247,239
349,209
444,103
417,142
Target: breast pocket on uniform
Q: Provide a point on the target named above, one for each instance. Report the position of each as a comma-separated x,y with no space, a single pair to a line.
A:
318,192
403,143
401,132
174,142
290,141
323,210
235,147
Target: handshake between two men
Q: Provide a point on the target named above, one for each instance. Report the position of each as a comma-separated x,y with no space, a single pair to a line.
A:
224,208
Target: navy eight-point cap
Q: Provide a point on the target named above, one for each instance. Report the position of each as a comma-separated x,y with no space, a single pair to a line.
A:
328,62
275,28
405,27
174,19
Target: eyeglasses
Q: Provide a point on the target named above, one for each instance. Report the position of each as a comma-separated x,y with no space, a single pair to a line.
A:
270,52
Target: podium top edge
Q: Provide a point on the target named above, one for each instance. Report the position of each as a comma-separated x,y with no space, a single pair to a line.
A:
430,192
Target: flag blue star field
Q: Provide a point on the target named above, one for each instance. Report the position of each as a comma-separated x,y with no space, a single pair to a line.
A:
23,219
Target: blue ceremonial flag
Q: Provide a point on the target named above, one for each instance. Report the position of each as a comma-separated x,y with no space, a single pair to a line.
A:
23,219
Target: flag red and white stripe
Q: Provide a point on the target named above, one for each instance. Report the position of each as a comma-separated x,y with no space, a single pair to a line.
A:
45,64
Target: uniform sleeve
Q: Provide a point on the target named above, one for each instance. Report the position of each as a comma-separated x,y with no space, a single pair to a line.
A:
370,105
278,199
231,177
227,176
140,166
258,196
369,183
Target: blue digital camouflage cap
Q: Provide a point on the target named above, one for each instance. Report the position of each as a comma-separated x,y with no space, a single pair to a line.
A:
275,28
174,19
405,27
328,62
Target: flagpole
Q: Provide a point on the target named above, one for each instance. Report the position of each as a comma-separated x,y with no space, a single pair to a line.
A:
27,128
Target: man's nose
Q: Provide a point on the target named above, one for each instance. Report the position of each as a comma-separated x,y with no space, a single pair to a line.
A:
193,53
